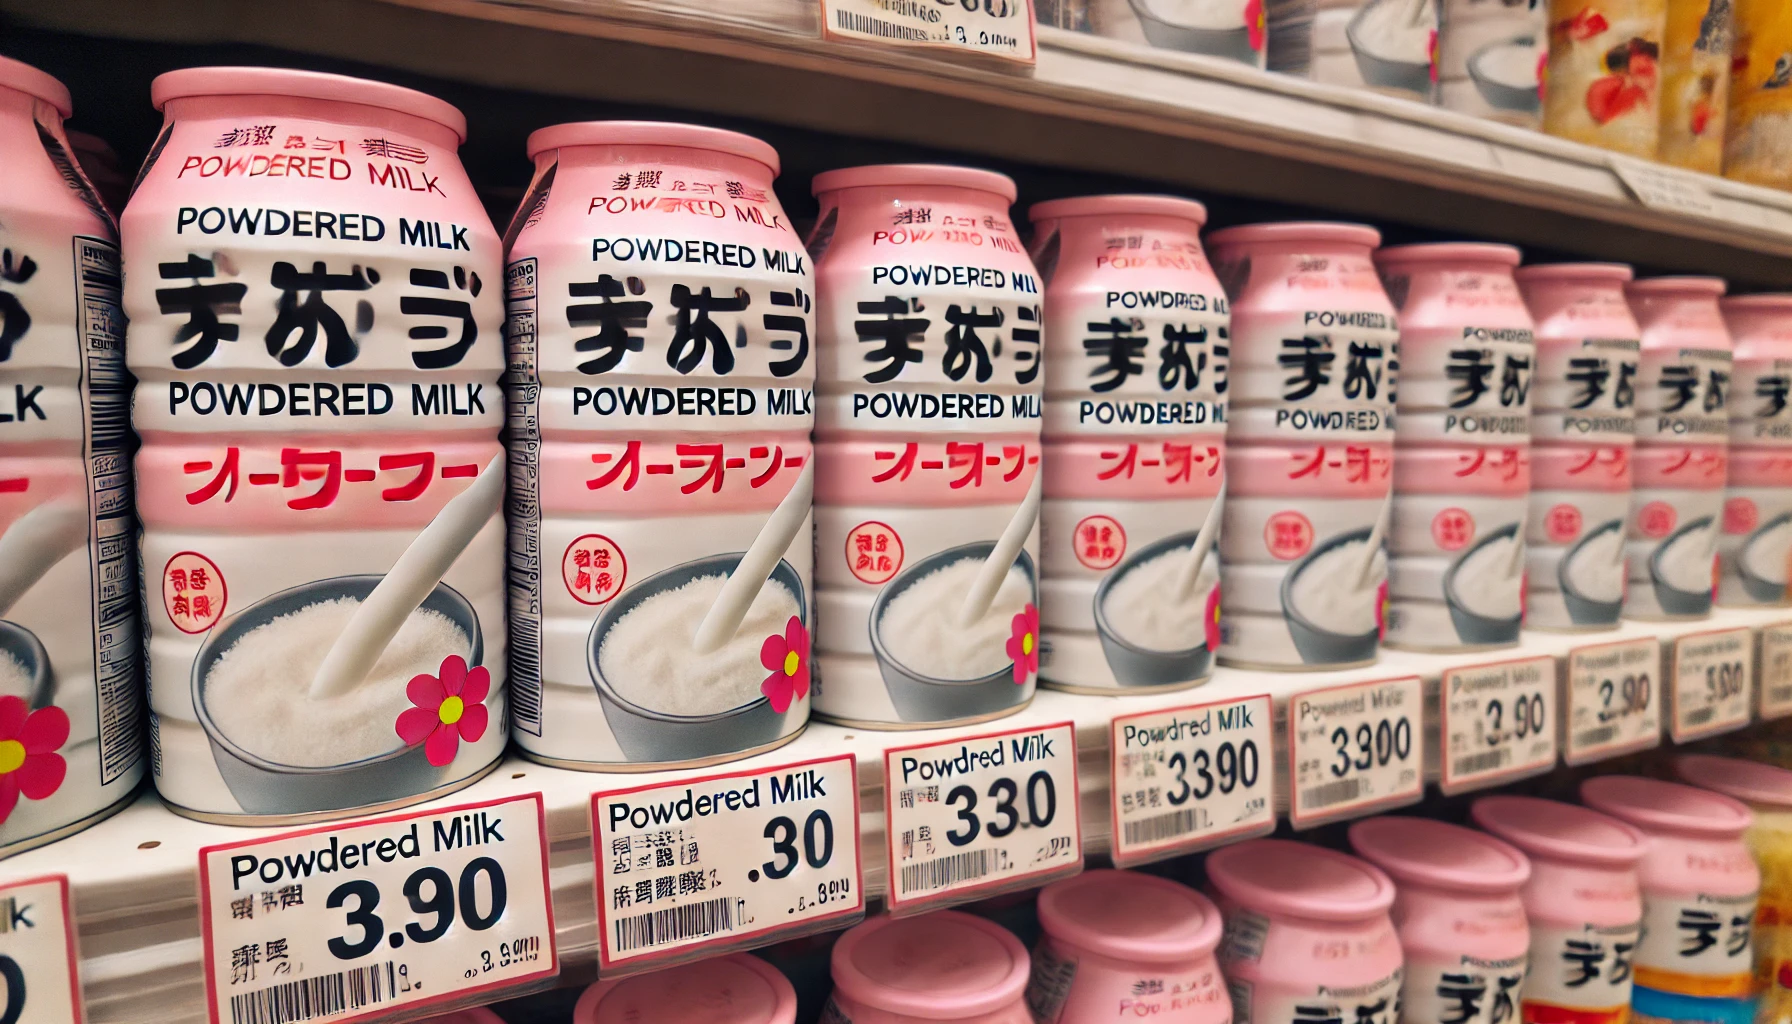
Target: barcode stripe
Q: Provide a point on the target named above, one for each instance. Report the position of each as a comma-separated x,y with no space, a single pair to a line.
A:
1485,761
308,998
1329,793
1160,827
850,21
675,924
1699,716
1596,736
948,870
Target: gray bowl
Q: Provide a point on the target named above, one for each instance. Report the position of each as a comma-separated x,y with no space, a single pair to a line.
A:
1584,611
653,737
265,787
921,698
1500,95
1674,601
1758,589
1140,666
1231,43
1470,627
1379,72
1318,646
24,646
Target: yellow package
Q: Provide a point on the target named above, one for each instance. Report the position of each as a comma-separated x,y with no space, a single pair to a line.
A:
1604,80
1758,142
1695,83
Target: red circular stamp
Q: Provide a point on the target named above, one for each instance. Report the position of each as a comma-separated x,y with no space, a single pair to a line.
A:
873,552
1741,516
1452,529
1656,519
1100,542
1288,535
594,569
193,592
1562,523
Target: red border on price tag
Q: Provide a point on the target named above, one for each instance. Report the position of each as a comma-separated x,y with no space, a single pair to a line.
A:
68,933
205,898
1443,728
1588,755
1750,653
1193,844
1357,810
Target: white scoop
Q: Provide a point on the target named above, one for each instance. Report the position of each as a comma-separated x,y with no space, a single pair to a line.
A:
410,580
36,541
1001,558
1197,554
748,578
1373,546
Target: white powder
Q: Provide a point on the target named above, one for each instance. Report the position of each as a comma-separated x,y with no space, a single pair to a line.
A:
1766,555
921,631
1327,595
15,678
1684,562
1208,14
1399,30
1489,581
1142,611
1514,64
647,658
1596,569
259,691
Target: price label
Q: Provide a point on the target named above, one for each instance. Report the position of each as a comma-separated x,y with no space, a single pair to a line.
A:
1188,778
38,977
1712,684
1355,747
1659,188
990,28
1776,670
971,816
349,921
1499,722
1613,705
693,867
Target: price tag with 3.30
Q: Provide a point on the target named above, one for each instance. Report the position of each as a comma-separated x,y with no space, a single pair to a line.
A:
1613,705
1712,684
1498,722
1776,670
1355,747
38,980
1187,778
354,920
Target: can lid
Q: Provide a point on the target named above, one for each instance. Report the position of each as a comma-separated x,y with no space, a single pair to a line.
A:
1290,232
1420,851
1451,252
1280,876
471,1015
737,989
1111,206
1765,301
1552,829
1574,272
16,74
940,966
1678,286
652,133
1130,916
311,85
1668,806
1752,781
892,175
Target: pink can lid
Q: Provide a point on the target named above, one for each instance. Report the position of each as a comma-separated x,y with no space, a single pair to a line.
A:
1574,272
473,1015
1420,851
1768,301
310,85
1288,232
1130,916
19,75
1752,781
897,175
1108,206
652,133
737,989
1552,829
1451,252
940,966
1668,806
1280,876
1678,286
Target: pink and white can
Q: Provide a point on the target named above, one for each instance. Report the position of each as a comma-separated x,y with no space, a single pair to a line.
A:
1119,946
1137,344
1583,438
736,989
1756,545
1307,934
1462,475
1310,457
943,966
1682,447
1462,923
927,428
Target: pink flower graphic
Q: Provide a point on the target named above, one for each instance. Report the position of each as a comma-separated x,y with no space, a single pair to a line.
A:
1023,645
1210,620
450,708
1255,25
787,657
29,764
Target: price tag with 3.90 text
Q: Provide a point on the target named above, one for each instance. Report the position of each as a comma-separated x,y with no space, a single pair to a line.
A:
38,978
697,866
1613,700
989,28
1188,778
1498,722
347,921
1712,683
980,815
1355,747
1776,670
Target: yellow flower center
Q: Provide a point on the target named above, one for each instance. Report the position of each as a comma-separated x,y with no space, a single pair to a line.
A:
792,662
1026,643
12,756
451,710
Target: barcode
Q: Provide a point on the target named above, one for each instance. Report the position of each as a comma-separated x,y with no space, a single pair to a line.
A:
1485,761
1596,736
322,996
848,21
676,924
1315,797
943,871
1161,827
1779,694
1699,716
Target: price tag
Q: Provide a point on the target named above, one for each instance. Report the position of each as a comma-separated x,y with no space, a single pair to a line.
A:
1353,748
1612,700
1660,188
1189,778
38,977
359,919
990,28
1712,684
1776,670
987,813
1499,722
698,866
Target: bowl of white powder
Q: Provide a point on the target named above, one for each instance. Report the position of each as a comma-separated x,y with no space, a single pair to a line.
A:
1484,589
1213,27
1149,638
666,703
283,752
1681,567
1328,605
1591,576
1505,74
935,668
24,666
1391,41
1761,561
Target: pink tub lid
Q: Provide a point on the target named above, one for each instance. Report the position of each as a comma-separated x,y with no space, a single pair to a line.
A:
1764,784
1667,806
652,133
1420,851
1289,232
1110,206
1451,252
311,85
1280,876
1779,302
32,82
1678,286
1130,916
1574,272
1559,831
475,1015
736,989
898,175
940,966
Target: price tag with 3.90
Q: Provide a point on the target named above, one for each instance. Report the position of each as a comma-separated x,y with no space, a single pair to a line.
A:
353,920
1188,778
1613,705
1712,684
1776,670
1498,722
38,980
1355,747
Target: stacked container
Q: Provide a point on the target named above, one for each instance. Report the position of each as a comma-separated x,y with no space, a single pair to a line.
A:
1757,529
1695,84
737,989
1758,139
1605,73
944,966
1491,56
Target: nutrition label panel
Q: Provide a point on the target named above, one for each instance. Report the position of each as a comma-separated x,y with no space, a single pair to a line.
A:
1775,667
1711,683
1355,747
1613,703
1498,722
38,977
522,389
1188,778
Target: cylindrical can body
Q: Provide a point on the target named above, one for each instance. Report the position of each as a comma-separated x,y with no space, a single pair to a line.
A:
1137,344
1583,436
1756,545
927,447
659,426
1604,74
735,989
1389,46
943,966
1682,448
1233,29
1310,455
1491,56
1695,83
71,695
1462,473
316,332
1758,139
